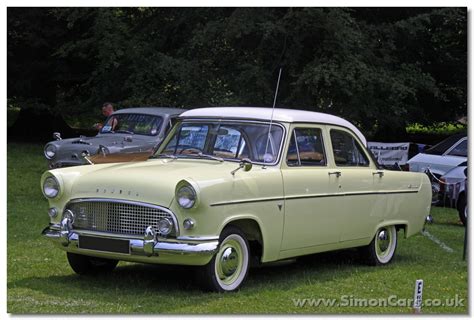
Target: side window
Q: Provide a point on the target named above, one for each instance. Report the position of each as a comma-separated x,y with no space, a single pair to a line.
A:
306,148
460,150
347,151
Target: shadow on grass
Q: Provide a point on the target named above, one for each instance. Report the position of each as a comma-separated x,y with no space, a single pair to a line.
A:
133,282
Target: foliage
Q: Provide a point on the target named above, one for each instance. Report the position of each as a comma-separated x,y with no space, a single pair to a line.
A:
379,67
40,280
444,128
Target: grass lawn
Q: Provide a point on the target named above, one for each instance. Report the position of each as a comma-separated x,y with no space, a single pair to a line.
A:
41,281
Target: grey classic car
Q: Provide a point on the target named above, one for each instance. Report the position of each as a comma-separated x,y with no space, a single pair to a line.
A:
129,131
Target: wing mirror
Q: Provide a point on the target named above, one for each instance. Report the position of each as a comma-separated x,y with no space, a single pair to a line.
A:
57,136
245,164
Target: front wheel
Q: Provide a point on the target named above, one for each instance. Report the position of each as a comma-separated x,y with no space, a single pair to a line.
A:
228,268
381,249
85,265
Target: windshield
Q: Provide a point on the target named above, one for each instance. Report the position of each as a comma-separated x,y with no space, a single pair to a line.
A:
132,123
226,140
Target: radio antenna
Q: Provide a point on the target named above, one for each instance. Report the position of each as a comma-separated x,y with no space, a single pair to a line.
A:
271,118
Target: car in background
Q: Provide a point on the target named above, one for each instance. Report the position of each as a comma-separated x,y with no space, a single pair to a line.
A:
453,190
439,159
130,131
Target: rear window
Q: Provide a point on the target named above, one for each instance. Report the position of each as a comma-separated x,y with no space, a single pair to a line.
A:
444,145
460,150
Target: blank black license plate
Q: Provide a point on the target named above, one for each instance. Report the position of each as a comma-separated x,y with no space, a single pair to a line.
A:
104,244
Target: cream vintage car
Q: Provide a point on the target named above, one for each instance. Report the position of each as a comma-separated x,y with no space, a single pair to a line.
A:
231,186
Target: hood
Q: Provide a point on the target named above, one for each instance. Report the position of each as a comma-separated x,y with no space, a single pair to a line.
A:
152,181
111,141
72,149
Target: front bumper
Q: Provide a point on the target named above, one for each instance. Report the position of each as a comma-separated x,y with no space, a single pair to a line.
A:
149,249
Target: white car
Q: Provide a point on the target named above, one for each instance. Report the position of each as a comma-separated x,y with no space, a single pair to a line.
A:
440,158
453,191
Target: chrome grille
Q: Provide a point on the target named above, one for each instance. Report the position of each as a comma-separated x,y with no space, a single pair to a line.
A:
116,217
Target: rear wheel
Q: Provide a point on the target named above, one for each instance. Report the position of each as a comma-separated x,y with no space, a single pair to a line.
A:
462,209
381,249
85,265
228,268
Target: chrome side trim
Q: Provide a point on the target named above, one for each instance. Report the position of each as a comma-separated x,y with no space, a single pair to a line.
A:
137,203
307,196
245,201
350,194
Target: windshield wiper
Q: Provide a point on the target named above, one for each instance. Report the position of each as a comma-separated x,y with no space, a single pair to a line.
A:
123,131
164,155
208,156
200,155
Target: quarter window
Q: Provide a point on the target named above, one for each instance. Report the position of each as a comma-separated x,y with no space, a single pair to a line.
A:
306,148
347,151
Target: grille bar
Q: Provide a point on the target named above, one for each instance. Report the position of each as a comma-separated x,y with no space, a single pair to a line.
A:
120,217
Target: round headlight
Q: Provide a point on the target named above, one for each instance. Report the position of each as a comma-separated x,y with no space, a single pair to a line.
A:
51,187
165,226
186,196
50,151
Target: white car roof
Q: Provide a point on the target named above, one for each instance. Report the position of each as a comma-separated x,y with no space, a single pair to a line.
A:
279,114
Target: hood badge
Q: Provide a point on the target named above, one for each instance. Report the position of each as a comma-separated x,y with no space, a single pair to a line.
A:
112,191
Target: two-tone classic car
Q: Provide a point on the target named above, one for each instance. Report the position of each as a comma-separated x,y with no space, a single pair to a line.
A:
130,130
231,185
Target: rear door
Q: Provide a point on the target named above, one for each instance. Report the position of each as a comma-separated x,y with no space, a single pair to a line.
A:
356,175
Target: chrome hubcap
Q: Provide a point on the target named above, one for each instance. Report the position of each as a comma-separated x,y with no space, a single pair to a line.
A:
383,242
229,261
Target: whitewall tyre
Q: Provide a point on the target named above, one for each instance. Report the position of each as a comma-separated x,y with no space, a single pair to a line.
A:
229,267
382,248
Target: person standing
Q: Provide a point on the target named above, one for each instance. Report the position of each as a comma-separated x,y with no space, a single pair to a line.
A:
107,110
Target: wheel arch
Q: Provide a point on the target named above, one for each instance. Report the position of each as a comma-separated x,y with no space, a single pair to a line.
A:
399,225
251,227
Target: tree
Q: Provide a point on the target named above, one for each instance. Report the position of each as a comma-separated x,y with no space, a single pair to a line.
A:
378,67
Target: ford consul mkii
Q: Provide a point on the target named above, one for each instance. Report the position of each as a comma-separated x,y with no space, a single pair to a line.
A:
235,185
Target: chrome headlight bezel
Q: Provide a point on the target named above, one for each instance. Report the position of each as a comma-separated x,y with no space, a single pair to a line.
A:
186,195
50,151
51,187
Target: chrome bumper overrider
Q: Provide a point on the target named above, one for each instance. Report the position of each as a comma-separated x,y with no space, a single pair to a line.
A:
150,248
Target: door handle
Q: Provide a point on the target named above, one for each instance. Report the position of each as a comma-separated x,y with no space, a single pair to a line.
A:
337,173
380,173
